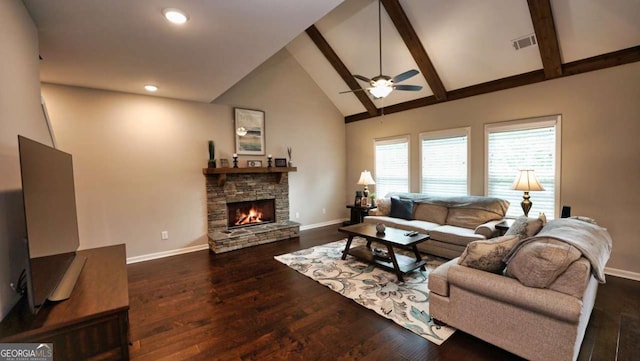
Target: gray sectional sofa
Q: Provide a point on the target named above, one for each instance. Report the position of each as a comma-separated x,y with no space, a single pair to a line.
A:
451,222
537,303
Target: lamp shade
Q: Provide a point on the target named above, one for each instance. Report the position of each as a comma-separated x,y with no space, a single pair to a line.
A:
381,88
365,178
527,181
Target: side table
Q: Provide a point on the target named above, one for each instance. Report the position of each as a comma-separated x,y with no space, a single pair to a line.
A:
504,226
358,213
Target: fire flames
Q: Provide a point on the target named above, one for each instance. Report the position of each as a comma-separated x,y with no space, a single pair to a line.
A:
253,216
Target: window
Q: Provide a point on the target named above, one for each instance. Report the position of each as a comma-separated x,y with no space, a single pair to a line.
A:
445,162
529,144
392,165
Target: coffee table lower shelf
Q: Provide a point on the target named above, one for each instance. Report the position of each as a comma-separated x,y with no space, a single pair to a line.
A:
405,264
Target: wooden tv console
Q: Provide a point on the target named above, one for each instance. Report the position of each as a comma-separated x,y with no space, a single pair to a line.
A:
92,324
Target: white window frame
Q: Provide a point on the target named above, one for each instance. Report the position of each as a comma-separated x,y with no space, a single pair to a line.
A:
391,140
442,134
523,124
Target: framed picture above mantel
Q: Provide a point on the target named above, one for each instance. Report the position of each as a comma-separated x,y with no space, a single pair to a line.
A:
249,131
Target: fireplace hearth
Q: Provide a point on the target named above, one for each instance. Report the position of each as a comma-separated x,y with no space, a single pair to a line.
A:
250,213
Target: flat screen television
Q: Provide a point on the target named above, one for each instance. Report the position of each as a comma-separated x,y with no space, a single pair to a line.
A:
51,222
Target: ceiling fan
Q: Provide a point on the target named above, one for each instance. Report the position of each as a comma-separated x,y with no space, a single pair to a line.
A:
382,85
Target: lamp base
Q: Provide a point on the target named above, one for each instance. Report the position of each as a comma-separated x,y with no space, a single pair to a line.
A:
526,204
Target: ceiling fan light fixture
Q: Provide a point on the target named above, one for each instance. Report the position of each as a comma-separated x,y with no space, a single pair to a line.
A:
380,88
175,16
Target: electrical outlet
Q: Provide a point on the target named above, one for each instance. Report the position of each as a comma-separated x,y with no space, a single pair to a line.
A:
297,215
324,211
164,235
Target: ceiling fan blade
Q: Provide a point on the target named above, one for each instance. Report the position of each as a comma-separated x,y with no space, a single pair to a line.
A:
408,87
363,78
351,91
404,76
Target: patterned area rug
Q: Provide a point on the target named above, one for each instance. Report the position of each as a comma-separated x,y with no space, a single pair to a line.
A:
406,303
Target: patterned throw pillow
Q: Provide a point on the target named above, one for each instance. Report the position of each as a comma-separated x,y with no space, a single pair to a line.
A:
525,227
487,255
383,206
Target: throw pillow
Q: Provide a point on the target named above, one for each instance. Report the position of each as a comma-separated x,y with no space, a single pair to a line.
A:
525,227
383,205
401,208
539,263
487,255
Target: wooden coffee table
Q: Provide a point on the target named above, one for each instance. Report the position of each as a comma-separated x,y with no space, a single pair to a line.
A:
392,237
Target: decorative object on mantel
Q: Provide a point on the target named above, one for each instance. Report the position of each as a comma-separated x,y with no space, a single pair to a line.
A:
249,131
527,181
366,179
269,161
212,154
281,162
235,160
254,163
224,163
289,153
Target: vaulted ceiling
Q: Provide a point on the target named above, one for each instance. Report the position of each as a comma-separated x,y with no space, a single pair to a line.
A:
461,47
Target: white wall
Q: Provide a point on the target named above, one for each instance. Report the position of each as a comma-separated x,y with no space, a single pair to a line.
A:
138,159
600,148
20,113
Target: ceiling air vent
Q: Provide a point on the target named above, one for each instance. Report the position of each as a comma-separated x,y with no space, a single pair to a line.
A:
524,42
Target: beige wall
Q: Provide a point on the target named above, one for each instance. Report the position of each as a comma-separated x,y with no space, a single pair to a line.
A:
138,159
20,113
600,148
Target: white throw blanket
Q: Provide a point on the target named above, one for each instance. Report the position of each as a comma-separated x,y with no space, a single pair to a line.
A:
592,240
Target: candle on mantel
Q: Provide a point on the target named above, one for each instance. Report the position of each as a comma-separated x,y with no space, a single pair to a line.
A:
235,155
269,156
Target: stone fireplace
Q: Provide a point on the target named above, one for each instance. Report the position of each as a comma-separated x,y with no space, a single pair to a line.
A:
236,195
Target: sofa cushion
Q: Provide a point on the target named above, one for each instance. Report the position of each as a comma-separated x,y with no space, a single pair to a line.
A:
401,208
525,227
487,255
455,235
539,263
470,217
430,212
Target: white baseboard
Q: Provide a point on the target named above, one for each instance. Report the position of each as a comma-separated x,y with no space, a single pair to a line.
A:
622,273
173,252
322,224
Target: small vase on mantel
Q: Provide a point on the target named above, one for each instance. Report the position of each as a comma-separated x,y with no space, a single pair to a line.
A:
212,163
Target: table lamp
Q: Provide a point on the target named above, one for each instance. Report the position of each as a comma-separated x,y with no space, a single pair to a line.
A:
366,179
527,181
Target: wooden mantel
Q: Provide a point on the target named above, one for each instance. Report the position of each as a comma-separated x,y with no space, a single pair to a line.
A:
221,173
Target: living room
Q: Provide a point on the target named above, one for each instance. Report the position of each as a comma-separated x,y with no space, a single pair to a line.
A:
138,159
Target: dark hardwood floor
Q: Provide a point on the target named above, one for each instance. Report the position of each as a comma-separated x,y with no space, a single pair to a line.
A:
244,305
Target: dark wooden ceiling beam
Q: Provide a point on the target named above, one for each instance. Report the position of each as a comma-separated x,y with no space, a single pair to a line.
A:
413,43
621,57
545,29
342,70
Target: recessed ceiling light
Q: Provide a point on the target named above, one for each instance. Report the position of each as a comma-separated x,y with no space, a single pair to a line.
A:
175,16
150,88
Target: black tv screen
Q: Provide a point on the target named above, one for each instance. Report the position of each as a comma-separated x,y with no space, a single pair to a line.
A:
50,215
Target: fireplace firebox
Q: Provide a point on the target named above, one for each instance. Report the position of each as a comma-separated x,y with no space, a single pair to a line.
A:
251,213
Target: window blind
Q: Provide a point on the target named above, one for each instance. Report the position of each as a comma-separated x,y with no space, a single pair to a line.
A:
392,165
444,165
525,147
